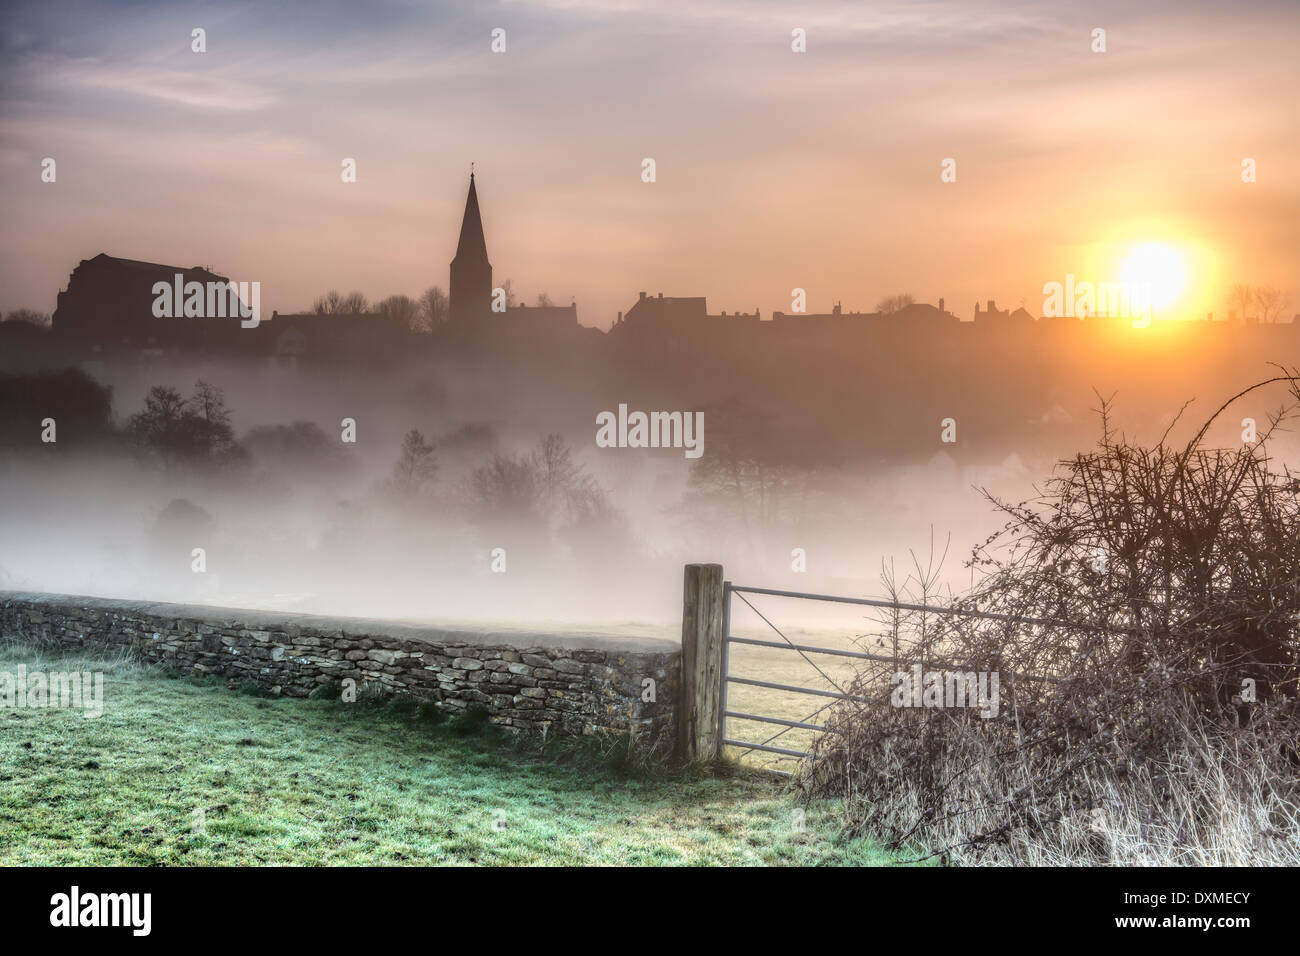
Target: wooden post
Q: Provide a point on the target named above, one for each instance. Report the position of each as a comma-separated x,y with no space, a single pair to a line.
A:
700,711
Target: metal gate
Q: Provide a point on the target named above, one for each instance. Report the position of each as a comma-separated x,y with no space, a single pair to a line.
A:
730,591
706,709
839,693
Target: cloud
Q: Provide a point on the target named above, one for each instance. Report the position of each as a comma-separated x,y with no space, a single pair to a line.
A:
190,88
822,166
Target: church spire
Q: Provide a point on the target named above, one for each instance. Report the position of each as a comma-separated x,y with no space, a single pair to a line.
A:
470,294
472,243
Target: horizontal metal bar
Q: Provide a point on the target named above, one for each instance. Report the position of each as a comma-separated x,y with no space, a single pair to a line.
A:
928,608
941,665
861,655
775,720
772,750
798,690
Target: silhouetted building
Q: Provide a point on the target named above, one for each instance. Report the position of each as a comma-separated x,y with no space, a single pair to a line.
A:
661,312
111,301
470,299
821,323
679,315
1002,317
660,325
470,295
541,316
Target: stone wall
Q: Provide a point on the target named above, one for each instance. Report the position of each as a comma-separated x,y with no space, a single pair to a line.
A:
572,682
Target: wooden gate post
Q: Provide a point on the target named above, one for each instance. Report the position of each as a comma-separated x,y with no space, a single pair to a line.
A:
700,711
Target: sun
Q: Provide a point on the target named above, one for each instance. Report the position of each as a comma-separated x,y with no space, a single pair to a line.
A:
1158,270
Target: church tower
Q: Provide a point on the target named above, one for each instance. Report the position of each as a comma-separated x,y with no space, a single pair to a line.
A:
470,295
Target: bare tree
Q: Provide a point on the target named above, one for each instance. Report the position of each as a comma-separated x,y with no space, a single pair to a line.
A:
895,303
545,484
1271,303
1239,300
508,487
403,309
209,403
334,303
193,430
433,309
563,484
416,466
756,474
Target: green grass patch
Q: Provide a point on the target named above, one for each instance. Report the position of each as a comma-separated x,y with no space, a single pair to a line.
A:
192,772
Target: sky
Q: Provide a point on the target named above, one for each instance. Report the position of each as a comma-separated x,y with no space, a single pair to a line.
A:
775,170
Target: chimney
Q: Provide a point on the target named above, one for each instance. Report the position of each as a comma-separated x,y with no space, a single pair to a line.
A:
941,304
642,295
992,306
661,295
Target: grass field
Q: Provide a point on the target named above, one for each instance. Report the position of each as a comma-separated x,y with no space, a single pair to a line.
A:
178,771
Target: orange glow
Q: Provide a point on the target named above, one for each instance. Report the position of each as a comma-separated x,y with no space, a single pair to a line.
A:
1158,270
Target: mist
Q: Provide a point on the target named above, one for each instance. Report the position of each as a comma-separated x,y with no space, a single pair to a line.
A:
809,487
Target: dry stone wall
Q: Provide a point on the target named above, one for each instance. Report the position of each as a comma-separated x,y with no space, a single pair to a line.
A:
572,683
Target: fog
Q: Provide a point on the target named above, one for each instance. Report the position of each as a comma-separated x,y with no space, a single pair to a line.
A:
307,521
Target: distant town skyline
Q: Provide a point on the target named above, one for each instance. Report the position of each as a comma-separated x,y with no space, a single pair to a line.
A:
774,169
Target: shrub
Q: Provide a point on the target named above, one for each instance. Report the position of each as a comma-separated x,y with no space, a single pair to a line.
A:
1144,617
81,406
